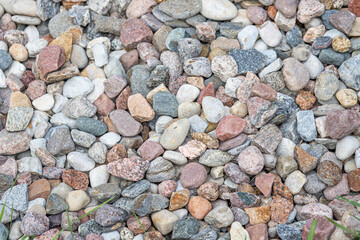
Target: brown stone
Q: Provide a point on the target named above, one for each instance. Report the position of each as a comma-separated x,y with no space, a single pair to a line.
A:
64,73
114,85
354,7
39,189
36,89
280,209
122,99
196,81
229,127
305,100
199,207
129,59
45,157
258,231
150,150
209,190
75,179
258,214
341,123
343,21
329,173
264,91
272,12
104,105
179,199
305,161
140,109
264,183
18,99
117,152
354,180
133,32
209,140
50,59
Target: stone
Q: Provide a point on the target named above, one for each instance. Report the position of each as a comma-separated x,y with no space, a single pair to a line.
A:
214,158
229,127
180,9
164,221
92,126
250,160
134,31
306,125
213,109
125,124
218,10
34,224
148,203
13,143
315,210
255,61
220,216
270,34
190,170
296,76
340,123
125,168
199,207
108,215
18,118
77,200
326,86
185,228
17,197
329,173
308,10
348,71
175,134
224,67
342,20
76,179
306,162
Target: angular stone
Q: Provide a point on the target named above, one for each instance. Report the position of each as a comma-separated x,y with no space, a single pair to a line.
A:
132,169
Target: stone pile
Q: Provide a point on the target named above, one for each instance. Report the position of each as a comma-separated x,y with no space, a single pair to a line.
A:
204,119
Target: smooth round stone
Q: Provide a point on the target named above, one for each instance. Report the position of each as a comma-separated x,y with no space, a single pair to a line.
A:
347,97
214,109
248,36
176,158
314,66
218,10
77,200
97,152
26,20
182,9
326,86
98,176
32,33
270,34
110,139
251,160
91,126
99,89
189,109
350,166
193,175
44,103
187,93
296,75
78,56
77,86
346,147
220,217
18,52
80,161
175,134
36,46
5,60
83,139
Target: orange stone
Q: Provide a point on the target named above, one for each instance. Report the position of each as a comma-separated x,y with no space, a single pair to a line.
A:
179,199
305,100
39,189
196,81
271,12
259,214
64,41
199,207
280,209
139,108
306,161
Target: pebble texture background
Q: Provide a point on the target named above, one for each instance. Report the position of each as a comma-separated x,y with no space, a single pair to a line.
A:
208,119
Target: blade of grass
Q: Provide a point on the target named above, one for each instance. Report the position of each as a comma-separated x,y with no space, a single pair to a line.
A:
312,230
3,208
343,228
69,223
86,214
142,227
11,220
349,201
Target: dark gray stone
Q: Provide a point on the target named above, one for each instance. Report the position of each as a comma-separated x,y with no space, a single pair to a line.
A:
325,17
165,104
5,60
138,76
136,189
249,60
158,76
55,204
205,234
294,36
92,126
329,56
145,204
185,228
189,48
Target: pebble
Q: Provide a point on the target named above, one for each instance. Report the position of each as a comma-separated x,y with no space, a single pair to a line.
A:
175,134
218,10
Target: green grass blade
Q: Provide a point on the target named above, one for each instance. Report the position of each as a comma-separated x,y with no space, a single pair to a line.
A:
86,214
142,227
343,228
349,201
11,220
3,208
312,230
69,223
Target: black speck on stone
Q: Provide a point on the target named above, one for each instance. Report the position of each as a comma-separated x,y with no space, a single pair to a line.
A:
92,226
185,228
91,126
165,103
249,60
158,76
294,36
325,18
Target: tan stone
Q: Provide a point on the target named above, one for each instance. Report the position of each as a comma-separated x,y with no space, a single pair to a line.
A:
164,221
179,199
239,109
216,52
39,189
259,214
18,52
347,97
341,44
199,207
92,72
77,200
313,33
140,109
64,41
355,31
196,81
18,99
